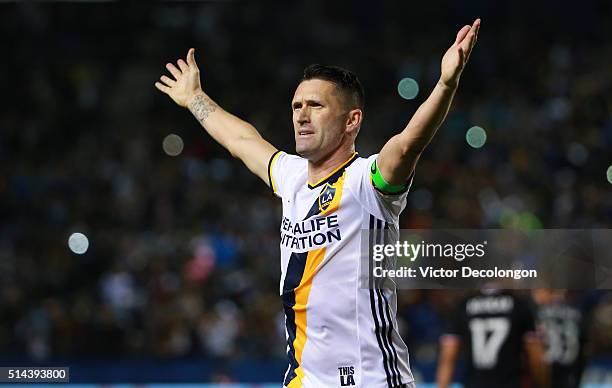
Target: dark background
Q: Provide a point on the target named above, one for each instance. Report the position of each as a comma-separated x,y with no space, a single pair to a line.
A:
183,264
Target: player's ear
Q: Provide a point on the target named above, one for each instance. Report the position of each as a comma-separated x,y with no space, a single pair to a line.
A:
353,120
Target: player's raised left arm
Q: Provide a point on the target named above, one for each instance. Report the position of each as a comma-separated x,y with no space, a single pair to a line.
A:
399,156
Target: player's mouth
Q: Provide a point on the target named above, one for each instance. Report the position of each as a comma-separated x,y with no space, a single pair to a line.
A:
305,132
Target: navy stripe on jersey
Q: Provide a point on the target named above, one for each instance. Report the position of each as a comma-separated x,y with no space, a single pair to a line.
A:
385,334
387,309
389,337
374,227
295,271
315,209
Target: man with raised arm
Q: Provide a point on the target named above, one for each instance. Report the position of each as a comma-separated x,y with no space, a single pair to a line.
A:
338,334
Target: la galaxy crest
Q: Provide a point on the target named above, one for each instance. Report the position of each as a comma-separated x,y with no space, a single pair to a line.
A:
326,197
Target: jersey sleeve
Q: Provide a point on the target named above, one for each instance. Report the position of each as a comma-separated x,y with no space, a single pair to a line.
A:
280,168
381,205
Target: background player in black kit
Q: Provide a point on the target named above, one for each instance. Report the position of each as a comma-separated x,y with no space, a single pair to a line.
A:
496,330
563,325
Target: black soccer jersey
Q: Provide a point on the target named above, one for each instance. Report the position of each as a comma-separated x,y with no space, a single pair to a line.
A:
492,326
563,328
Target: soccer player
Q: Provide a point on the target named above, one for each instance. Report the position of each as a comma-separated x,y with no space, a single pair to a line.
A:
563,325
496,329
338,334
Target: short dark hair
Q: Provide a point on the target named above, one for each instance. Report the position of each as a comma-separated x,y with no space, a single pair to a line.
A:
345,80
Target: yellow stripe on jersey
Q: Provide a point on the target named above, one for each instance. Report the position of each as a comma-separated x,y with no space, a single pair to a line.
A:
270,164
302,291
314,258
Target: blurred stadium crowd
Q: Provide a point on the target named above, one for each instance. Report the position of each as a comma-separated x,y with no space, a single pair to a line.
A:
183,256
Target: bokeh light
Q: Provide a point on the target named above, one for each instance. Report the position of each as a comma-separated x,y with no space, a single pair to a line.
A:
408,88
476,137
609,174
173,145
78,243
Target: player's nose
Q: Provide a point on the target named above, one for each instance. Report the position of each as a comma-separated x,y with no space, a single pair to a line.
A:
303,116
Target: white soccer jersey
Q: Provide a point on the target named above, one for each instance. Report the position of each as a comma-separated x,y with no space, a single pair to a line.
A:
339,334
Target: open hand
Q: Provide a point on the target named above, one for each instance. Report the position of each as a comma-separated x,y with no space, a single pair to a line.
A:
457,55
185,81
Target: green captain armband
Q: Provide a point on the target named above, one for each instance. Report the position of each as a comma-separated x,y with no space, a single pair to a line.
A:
382,185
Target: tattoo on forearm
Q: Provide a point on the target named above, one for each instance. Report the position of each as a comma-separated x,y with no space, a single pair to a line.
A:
202,106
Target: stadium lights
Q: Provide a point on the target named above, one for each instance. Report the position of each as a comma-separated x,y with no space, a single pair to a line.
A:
78,243
408,88
173,145
476,137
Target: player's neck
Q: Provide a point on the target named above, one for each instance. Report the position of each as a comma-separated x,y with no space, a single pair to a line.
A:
318,171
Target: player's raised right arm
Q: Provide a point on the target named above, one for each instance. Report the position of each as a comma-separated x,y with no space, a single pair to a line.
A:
240,138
